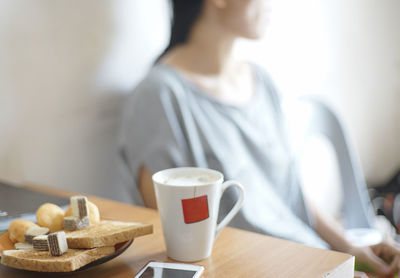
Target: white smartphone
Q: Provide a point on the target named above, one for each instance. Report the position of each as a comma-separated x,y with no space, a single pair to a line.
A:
170,270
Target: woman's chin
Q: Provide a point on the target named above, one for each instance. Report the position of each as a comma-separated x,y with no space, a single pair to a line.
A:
255,35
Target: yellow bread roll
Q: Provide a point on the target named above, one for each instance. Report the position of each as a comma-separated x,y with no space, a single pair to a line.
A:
18,228
50,216
94,214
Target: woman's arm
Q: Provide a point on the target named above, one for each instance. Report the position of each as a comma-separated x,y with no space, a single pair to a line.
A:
333,233
146,188
330,230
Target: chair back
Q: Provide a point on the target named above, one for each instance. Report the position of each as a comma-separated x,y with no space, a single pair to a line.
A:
357,207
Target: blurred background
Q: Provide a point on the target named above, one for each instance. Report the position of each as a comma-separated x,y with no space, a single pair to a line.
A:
66,68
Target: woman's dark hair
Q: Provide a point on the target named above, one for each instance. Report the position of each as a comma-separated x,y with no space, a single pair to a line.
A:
184,15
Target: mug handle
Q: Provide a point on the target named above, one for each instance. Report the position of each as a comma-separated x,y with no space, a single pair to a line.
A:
235,208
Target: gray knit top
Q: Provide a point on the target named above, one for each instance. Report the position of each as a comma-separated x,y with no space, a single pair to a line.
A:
170,122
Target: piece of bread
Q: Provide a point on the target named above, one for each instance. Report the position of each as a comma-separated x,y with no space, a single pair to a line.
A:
50,216
18,228
94,214
42,261
107,233
5,242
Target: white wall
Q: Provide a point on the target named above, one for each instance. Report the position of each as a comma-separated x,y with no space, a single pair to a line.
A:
346,52
65,68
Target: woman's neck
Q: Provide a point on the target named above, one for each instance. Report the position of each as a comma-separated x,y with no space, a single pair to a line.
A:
206,59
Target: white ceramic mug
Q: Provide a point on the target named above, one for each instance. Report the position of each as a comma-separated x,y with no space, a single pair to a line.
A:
188,201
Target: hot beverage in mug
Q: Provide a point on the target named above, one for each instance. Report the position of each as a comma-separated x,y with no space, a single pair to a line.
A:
188,202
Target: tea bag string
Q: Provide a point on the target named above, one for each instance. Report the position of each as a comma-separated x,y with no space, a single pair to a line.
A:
194,192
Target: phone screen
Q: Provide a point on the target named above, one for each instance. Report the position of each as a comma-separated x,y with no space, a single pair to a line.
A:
161,272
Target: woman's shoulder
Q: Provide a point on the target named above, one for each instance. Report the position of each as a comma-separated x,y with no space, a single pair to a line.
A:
262,73
159,80
266,83
158,90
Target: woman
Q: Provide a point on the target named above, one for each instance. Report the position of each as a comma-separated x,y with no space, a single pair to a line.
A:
198,106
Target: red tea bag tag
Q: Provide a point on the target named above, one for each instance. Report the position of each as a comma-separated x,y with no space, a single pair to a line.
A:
195,209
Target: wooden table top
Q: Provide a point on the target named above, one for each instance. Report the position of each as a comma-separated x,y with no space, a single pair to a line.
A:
236,253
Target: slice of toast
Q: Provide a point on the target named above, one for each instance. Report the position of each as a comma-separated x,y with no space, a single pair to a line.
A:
107,233
42,261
